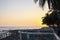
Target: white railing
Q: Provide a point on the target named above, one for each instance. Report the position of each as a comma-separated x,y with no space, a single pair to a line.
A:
56,36
28,33
34,32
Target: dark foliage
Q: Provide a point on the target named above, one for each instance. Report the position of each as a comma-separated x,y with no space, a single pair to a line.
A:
51,19
54,4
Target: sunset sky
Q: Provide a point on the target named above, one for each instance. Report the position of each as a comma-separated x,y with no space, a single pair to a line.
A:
21,13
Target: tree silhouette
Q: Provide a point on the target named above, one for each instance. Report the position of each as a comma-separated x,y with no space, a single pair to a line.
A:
51,19
52,4
46,20
54,17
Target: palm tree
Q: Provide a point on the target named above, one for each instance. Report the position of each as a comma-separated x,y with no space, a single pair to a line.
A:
55,6
52,4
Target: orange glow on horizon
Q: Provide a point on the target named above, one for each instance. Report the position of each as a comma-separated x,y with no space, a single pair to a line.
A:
17,13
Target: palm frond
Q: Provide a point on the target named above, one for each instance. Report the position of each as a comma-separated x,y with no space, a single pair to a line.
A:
49,3
52,4
35,1
42,2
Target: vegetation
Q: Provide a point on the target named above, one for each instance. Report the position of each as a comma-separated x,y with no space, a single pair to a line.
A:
53,18
53,4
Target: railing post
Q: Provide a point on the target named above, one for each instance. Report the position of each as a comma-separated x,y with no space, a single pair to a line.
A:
20,35
27,36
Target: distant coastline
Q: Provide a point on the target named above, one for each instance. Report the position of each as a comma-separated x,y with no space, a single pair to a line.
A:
18,28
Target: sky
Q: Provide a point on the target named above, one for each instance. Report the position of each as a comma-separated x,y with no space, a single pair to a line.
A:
21,13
